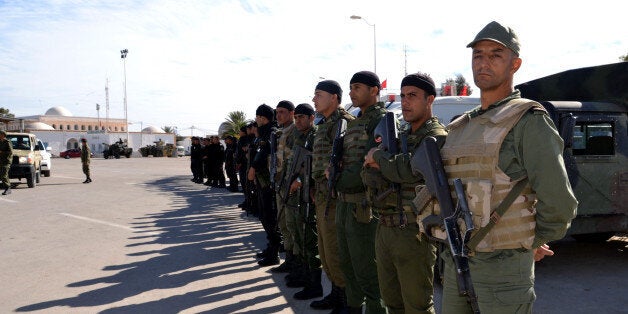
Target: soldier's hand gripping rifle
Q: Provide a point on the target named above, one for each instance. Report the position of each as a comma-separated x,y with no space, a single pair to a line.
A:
387,135
296,163
334,161
428,162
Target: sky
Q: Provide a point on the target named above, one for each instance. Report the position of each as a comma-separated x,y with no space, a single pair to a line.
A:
190,63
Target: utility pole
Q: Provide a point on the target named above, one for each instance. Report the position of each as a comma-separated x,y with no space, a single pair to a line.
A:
123,54
107,104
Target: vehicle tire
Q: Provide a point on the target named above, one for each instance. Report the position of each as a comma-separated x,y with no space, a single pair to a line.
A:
30,181
593,237
38,176
67,157
46,173
128,156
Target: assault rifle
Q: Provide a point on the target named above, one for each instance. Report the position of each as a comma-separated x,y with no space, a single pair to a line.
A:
428,162
299,155
334,161
387,135
273,158
307,174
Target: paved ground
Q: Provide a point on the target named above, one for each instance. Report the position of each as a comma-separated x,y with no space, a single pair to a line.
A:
142,238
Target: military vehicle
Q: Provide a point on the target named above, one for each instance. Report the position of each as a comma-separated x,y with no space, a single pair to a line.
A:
590,107
116,150
26,163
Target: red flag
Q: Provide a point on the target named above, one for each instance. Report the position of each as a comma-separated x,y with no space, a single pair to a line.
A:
464,91
384,83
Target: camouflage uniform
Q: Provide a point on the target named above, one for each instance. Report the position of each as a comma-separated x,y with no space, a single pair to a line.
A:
326,222
6,156
355,223
285,218
405,261
85,160
503,270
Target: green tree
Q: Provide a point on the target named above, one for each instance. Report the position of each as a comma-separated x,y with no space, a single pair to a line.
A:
235,120
4,113
624,57
168,129
462,88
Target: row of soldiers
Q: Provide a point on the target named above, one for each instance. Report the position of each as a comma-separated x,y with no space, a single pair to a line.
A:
210,159
350,203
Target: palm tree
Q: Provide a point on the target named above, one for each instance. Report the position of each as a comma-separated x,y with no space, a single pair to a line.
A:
168,129
235,120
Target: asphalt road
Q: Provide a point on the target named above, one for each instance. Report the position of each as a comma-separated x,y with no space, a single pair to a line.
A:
142,238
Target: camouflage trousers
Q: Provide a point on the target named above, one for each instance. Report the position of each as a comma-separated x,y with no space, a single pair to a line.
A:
86,169
503,281
4,176
287,224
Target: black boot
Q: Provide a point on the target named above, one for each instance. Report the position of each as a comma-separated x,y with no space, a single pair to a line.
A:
341,304
313,287
271,258
262,254
328,302
7,191
297,276
287,264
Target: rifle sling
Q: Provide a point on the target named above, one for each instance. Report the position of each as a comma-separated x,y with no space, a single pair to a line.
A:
497,213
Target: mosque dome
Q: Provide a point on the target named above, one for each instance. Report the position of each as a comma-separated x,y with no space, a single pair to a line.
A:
58,111
38,126
152,129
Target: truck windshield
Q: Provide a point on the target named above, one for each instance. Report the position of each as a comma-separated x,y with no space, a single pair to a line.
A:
20,141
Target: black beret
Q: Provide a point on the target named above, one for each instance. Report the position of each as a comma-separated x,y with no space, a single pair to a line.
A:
420,80
265,110
83,140
367,78
331,87
305,109
286,104
243,129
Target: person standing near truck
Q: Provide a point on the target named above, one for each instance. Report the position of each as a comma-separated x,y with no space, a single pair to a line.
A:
508,148
6,154
85,159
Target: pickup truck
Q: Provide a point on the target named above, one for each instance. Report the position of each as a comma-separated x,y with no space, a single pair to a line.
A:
26,162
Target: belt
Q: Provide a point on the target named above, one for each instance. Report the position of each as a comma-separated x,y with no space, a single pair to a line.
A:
397,219
357,198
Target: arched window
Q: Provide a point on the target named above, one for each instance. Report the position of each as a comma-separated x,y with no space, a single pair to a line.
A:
89,128
76,127
54,126
60,126
82,128
115,129
67,127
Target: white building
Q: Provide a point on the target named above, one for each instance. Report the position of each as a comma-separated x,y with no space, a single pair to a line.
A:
60,130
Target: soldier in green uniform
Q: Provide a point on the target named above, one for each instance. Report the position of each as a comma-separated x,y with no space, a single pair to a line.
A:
305,237
285,134
506,141
327,99
85,160
405,262
355,223
6,156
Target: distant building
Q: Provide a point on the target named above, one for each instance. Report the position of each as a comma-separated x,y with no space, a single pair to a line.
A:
60,130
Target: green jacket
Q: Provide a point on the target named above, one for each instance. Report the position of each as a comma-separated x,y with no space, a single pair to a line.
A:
85,154
6,152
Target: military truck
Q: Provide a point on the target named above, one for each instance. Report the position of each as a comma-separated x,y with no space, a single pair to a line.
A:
590,107
26,163
116,150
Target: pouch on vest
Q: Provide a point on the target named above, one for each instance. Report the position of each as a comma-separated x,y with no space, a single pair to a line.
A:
378,193
363,212
425,205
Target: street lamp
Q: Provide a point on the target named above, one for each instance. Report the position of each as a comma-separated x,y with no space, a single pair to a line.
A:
357,17
123,53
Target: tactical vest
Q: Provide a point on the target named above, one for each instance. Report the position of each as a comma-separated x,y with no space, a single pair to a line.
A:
387,205
471,153
323,140
284,146
356,145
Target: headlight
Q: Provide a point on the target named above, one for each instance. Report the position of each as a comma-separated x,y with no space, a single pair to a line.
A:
27,159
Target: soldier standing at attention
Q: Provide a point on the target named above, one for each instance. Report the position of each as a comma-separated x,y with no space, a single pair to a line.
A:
354,219
218,164
230,168
240,160
6,157
196,160
208,159
304,222
405,264
493,148
285,131
259,171
85,159
327,99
